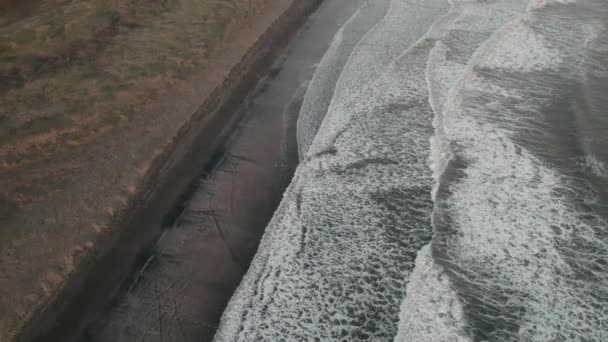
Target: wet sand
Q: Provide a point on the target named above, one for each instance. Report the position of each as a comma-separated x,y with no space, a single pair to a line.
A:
185,281
180,291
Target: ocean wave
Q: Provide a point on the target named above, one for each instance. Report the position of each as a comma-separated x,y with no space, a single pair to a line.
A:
335,260
321,89
434,314
508,225
455,39
520,224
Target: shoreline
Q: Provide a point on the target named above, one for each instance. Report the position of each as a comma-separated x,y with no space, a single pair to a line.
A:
190,273
87,289
184,284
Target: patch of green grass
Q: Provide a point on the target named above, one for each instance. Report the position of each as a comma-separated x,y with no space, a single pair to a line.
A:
137,71
14,131
4,46
22,59
104,76
55,15
128,110
70,136
25,36
107,82
36,101
9,59
26,190
77,106
57,31
157,11
109,88
13,158
147,70
86,69
39,125
7,208
157,68
109,14
110,118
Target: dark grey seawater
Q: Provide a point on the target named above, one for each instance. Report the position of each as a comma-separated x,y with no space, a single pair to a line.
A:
503,237
521,210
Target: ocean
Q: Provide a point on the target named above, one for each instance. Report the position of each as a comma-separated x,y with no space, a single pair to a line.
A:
453,182
519,218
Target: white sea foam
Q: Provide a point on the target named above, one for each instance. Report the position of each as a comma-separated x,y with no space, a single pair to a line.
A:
597,166
456,36
508,224
321,90
526,50
539,4
519,251
373,57
435,313
335,260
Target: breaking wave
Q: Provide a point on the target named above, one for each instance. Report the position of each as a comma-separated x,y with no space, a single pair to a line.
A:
503,238
520,218
335,259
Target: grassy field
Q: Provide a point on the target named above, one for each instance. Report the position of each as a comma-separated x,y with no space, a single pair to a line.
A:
72,71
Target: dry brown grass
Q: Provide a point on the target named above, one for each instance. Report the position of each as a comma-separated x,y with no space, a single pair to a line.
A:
72,71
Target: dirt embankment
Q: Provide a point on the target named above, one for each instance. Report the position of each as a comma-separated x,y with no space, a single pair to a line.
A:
101,103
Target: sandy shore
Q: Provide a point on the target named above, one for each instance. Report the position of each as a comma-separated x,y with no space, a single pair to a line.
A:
62,255
184,284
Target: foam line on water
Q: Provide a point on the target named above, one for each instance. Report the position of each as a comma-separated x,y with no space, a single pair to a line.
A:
455,37
321,89
516,231
335,260
376,53
435,313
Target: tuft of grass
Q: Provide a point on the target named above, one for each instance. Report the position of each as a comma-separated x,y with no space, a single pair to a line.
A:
157,68
7,208
23,59
110,119
26,190
5,47
110,87
108,14
24,36
9,59
148,70
104,76
40,125
137,71
87,70
57,32
13,158
157,11
76,106
36,101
